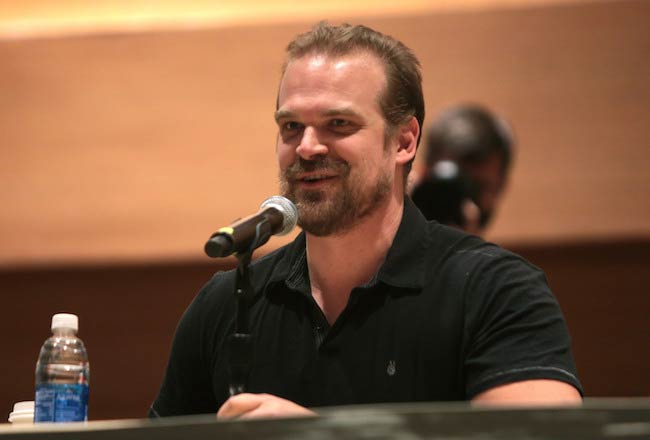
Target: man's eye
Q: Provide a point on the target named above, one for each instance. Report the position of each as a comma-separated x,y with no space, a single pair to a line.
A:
291,126
339,122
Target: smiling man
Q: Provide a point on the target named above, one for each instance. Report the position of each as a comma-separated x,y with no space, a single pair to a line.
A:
370,303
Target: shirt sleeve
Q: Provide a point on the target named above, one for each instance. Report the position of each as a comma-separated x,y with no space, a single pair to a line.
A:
187,385
514,327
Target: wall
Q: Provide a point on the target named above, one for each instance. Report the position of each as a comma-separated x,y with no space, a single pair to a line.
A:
112,141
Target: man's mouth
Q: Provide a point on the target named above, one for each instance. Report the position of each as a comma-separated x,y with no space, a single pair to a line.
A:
315,179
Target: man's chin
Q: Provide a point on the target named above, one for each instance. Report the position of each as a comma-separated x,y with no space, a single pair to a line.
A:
310,200
319,217
319,228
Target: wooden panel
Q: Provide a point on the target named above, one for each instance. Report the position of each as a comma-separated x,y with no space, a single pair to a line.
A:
603,291
135,147
128,315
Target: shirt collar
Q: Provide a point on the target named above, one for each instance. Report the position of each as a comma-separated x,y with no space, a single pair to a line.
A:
404,265
292,268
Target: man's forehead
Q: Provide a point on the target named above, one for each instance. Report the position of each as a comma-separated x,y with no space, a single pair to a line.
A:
359,63
318,58
317,61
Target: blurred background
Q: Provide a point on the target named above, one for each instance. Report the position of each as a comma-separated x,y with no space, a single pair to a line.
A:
131,130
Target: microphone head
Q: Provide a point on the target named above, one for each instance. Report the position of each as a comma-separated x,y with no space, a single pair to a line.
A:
287,209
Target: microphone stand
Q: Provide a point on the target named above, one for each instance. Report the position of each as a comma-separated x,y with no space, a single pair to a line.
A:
240,343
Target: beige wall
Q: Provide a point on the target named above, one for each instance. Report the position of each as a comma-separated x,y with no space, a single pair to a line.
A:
136,146
66,17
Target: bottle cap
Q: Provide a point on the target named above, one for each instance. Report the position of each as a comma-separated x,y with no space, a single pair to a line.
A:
65,320
23,412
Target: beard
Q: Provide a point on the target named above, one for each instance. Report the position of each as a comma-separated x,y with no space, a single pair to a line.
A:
340,205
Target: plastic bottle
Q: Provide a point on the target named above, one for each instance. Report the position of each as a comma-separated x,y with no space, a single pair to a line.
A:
62,374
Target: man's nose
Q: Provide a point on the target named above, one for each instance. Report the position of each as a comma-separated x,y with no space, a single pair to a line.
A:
310,145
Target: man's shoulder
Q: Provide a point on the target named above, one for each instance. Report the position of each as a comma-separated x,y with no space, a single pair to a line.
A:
215,303
453,244
454,248
272,266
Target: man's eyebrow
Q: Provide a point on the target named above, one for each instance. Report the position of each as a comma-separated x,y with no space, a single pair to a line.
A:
342,111
283,114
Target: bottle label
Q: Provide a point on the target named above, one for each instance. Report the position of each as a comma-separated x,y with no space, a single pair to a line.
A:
58,402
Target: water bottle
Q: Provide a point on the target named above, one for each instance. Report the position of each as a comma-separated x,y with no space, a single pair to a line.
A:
62,374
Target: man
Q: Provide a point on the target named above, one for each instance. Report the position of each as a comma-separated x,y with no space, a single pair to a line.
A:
370,303
468,149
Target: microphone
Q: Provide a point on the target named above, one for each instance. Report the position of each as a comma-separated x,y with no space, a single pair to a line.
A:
277,216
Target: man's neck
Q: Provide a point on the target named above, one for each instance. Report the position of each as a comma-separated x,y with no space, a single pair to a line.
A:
340,262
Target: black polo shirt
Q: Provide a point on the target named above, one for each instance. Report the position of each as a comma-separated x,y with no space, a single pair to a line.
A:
446,317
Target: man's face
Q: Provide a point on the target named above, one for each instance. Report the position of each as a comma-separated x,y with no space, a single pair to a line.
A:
336,163
488,177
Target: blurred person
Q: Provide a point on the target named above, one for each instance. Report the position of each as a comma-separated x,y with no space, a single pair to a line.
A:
467,158
370,303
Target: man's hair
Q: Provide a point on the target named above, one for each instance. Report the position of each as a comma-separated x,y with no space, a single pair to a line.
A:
469,133
402,98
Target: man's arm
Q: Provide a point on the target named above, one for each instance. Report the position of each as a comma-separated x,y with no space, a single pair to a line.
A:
519,346
250,406
530,392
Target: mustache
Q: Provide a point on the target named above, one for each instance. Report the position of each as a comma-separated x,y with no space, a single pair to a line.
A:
305,166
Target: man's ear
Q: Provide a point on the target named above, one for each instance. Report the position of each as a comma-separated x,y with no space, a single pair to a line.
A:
407,141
